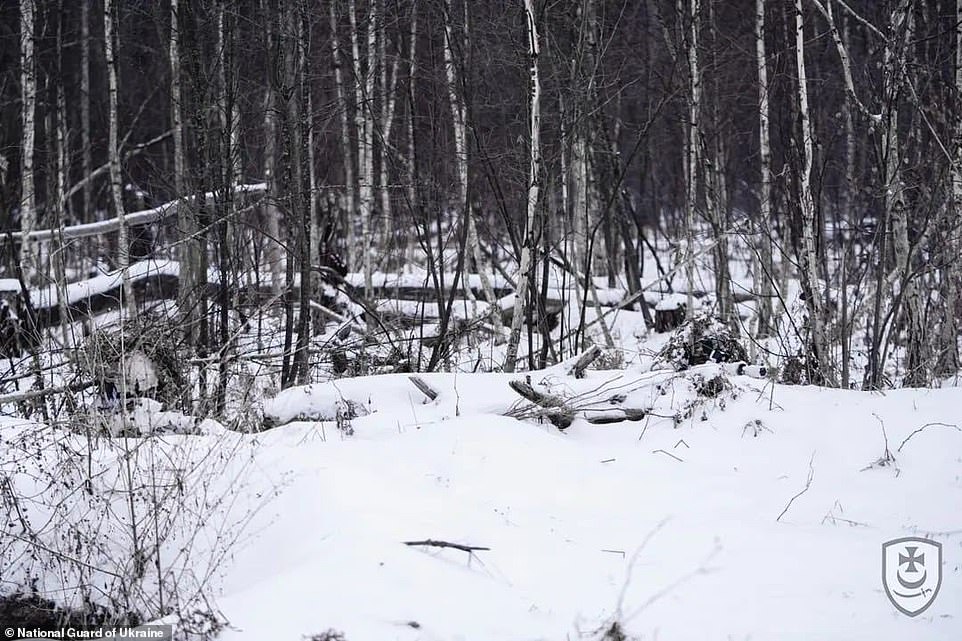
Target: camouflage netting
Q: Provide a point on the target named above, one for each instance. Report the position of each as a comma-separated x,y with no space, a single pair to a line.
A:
162,344
702,339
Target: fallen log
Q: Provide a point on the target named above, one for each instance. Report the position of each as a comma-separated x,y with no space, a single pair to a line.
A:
426,389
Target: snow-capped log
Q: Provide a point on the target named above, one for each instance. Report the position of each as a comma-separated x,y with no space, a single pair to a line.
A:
144,217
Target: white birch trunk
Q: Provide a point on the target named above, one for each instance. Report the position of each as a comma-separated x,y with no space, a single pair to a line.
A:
584,191
113,150
692,154
895,205
763,268
809,258
388,101
459,120
412,194
364,91
534,183
28,95
59,257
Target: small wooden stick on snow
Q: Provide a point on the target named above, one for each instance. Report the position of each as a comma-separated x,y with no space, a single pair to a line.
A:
470,549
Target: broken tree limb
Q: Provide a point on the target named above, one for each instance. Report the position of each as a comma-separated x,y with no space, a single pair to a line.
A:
470,549
426,389
587,358
559,413
18,397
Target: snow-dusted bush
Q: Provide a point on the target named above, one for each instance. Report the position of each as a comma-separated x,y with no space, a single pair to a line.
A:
116,530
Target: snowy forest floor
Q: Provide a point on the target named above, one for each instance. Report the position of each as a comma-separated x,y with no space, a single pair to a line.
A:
681,525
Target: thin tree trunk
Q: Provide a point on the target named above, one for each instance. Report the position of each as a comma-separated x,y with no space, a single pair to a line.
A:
847,207
303,212
459,119
363,115
85,146
346,148
716,190
948,359
113,150
916,369
534,183
764,268
388,103
809,251
412,192
276,257
58,257
691,150
229,149
590,245
28,97
188,286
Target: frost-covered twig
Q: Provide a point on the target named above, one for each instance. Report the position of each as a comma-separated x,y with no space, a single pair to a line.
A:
808,484
955,427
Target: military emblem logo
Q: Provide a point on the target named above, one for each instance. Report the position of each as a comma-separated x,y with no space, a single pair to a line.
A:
912,573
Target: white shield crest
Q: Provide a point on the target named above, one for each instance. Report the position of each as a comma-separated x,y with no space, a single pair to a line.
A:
912,573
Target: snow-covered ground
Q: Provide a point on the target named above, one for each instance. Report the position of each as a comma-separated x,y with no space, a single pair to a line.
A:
673,530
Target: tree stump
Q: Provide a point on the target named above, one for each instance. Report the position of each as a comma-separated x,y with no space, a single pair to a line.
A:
669,314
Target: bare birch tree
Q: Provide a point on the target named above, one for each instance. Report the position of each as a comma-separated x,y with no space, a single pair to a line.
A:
534,185
364,78
809,250
763,275
388,106
28,100
692,148
113,151
460,127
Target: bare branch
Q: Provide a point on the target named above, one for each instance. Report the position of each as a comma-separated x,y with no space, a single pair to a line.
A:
808,484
